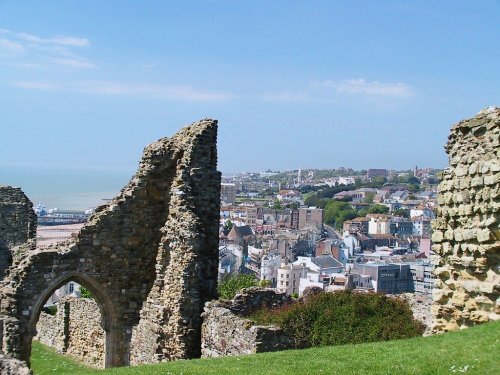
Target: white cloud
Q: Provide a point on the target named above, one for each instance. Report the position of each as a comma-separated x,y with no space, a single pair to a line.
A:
74,63
32,85
10,46
374,88
166,92
59,40
333,90
152,90
55,50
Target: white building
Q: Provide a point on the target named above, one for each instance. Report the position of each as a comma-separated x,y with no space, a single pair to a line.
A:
289,278
269,266
324,264
379,224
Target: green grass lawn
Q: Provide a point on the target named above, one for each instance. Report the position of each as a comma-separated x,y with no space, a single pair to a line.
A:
472,351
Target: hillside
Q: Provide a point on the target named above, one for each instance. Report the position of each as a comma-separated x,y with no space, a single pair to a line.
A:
472,351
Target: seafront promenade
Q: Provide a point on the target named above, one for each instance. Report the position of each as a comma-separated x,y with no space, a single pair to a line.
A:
49,235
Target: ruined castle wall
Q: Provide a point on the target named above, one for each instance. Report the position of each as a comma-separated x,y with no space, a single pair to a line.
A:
50,330
17,223
466,231
149,257
75,330
226,331
187,259
86,337
11,366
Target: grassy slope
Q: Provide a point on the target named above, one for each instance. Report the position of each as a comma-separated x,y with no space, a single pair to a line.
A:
473,351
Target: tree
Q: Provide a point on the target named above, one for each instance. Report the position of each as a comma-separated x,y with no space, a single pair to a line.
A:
277,204
231,285
402,212
337,212
228,225
369,197
85,293
375,209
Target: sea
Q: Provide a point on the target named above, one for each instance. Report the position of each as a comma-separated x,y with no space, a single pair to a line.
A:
67,189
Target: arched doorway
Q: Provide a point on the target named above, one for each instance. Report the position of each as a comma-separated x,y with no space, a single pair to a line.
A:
69,324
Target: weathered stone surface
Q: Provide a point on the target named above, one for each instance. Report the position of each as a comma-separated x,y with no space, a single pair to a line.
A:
149,258
17,224
226,331
11,366
467,236
75,330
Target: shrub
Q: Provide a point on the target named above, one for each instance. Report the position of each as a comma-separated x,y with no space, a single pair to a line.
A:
343,317
229,286
85,293
51,310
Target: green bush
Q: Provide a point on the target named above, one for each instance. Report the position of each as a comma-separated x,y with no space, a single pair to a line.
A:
85,293
343,318
229,286
51,310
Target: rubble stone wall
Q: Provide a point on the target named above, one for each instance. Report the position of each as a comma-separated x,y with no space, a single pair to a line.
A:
75,330
17,223
86,338
466,231
226,331
50,330
11,366
149,258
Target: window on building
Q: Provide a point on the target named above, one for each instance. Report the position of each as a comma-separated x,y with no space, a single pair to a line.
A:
287,283
287,275
71,288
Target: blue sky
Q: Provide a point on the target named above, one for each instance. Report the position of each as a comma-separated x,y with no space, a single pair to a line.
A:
84,86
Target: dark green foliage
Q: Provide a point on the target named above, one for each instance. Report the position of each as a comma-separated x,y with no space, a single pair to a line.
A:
277,204
337,212
326,193
51,310
228,225
343,318
375,209
402,212
231,285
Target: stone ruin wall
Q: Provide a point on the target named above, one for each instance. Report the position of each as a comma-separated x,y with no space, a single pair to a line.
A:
11,366
17,224
466,231
227,331
149,257
75,330
50,330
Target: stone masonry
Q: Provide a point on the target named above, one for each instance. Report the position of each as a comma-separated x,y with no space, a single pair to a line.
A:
75,330
227,331
17,224
149,258
466,231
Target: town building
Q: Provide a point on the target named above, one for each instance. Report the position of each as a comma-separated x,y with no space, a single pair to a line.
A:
270,264
372,173
311,216
401,226
423,280
228,193
386,278
289,276
421,226
359,224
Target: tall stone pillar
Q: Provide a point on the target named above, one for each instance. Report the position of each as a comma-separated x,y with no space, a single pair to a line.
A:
466,231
